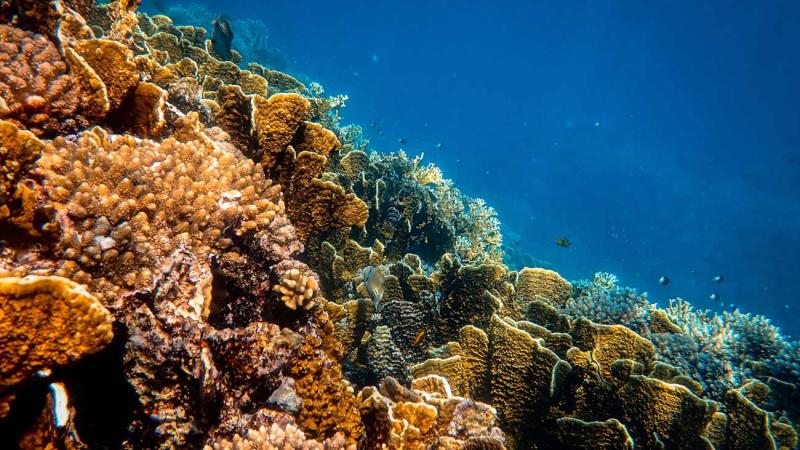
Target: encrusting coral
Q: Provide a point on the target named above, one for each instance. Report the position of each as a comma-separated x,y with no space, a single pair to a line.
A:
272,284
38,90
46,321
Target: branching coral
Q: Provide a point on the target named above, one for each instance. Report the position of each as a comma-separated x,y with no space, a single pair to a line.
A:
413,210
297,290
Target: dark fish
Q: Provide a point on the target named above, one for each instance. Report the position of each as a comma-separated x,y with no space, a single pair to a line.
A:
714,297
663,280
373,282
221,38
401,141
563,242
718,279
373,124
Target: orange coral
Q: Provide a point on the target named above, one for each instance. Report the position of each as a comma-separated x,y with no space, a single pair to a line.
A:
46,321
113,63
329,405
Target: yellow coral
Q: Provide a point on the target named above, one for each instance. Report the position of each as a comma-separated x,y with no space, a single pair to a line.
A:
19,149
47,321
544,284
113,63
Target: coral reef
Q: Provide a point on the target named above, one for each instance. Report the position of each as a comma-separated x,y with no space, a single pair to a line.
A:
236,270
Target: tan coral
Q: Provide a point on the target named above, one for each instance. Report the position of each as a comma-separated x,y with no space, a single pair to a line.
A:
276,437
660,414
750,427
126,204
113,63
576,434
47,321
609,343
40,91
145,117
427,416
470,294
329,401
297,290
275,122
542,283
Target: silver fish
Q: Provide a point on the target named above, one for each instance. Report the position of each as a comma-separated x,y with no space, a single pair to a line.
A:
373,282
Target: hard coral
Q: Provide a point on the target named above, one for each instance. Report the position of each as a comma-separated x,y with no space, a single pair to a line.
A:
37,89
124,205
426,416
297,290
45,322
19,149
276,437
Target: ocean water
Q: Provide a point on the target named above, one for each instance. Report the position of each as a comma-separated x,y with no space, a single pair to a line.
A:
660,138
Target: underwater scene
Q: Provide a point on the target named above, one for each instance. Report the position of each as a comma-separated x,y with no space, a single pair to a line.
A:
399,225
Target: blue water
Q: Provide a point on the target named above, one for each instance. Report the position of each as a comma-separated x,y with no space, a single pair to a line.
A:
661,138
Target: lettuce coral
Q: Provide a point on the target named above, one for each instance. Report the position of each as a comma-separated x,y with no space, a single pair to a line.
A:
46,321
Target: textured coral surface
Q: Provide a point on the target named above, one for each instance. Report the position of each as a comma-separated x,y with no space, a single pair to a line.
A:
195,253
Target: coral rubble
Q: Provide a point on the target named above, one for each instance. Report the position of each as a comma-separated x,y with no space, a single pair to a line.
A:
239,270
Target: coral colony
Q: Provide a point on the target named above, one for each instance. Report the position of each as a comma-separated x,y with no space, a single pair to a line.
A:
185,247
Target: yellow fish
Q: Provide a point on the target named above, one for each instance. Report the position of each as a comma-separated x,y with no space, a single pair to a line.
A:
563,242
419,338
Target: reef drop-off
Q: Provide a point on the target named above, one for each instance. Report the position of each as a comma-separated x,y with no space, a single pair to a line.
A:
185,246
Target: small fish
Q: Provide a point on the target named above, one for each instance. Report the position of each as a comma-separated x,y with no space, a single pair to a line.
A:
663,280
563,242
439,145
718,279
373,124
373,282
714,297
401,141
221,38
419,338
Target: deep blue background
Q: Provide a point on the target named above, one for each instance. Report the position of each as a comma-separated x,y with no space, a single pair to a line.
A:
659,137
